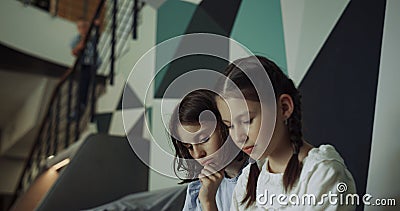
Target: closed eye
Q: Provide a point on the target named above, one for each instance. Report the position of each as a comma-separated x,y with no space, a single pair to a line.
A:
226,122
248,122
205,139
188,146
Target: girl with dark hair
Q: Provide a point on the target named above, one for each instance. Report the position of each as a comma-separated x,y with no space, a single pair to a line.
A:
287,168
210,161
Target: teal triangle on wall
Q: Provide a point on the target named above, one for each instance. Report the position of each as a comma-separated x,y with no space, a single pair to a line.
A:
259,27
173,18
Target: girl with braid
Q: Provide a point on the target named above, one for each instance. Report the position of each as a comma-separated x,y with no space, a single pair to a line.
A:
289,173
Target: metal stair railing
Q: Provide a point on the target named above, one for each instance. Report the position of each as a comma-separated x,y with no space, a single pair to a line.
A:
65,118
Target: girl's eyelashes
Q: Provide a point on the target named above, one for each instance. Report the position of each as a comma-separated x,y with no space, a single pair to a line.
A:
248,121
205,139
188,146
230,126
202,140
226,123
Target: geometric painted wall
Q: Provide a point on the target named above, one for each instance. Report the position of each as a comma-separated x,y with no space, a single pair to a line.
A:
339,87
108,117
331,49
258,26
205,18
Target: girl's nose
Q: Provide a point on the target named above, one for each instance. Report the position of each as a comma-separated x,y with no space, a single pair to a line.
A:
239,136
198,151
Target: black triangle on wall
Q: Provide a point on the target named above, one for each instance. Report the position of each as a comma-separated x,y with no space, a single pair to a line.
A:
215,17
140,145
103,122
137,129
339,89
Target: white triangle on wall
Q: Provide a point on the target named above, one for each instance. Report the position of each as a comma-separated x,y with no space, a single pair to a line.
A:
292,17
307,24
128,120
108,102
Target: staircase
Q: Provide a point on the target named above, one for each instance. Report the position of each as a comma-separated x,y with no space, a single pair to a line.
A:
64,119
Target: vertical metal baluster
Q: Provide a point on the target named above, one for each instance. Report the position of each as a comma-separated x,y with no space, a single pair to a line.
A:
78,106
49,131
57,123
113,40
94,73
69,116
39,150
134,21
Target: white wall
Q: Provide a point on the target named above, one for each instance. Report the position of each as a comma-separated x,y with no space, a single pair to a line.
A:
27,117
36,32
384,171
161,149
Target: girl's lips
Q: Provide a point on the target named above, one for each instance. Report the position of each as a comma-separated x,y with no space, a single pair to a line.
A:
248,149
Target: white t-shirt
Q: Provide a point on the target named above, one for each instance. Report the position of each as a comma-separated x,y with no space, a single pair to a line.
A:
323,176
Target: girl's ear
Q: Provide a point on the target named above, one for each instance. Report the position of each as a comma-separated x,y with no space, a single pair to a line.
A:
286,105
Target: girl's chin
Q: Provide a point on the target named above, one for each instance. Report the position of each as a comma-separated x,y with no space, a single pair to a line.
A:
256,156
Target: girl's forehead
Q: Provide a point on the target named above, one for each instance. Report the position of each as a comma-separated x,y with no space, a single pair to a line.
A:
191,128
205,126
192,133
236,106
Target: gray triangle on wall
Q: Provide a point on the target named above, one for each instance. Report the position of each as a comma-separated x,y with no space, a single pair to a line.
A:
130,99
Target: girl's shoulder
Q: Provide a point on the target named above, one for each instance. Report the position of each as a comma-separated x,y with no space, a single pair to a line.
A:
323,152
324,160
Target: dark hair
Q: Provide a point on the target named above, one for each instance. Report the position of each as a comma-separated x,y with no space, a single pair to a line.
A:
188,113
281,85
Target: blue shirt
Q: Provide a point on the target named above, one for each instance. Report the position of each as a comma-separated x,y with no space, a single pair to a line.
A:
223,196
88,53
